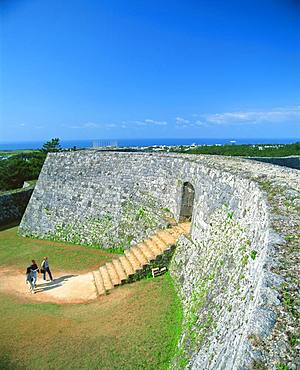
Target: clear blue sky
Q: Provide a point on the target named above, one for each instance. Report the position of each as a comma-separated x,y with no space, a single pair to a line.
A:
79,69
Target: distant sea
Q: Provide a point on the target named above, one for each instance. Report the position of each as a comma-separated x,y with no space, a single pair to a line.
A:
142,142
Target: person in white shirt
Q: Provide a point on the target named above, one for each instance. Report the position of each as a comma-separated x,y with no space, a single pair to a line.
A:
45,268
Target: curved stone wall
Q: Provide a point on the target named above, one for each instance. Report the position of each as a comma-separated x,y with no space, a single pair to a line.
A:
232,301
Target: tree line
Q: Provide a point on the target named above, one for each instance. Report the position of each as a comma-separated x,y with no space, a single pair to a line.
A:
16,169
257,150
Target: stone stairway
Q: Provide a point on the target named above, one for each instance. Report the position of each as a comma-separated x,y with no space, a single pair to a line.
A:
136,259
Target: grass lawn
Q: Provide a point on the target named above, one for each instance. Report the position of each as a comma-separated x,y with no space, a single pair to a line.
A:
137,326
16,251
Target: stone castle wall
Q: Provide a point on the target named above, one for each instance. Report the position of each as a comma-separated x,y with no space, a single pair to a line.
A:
104,199
219,274
222,272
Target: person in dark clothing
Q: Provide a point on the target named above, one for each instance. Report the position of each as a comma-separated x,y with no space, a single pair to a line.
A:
45,268
31,273
29,279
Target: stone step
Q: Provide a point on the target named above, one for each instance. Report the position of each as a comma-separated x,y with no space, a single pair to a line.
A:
185,227
136,258
133,260
166,237
176,231
99,282
106,278
140,255
153,247
160,244
120,270
127,266
147,252
114,277
163,246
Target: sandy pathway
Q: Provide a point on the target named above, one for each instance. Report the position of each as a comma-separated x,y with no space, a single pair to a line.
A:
66,288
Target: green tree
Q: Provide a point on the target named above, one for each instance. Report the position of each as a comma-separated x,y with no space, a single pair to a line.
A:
52,145
14,171
25,166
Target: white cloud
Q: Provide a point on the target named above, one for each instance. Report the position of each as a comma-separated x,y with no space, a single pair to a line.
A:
273,115
84,125
140,123
90,125
150,122
72,126
93,125
182,121
200,123
154,122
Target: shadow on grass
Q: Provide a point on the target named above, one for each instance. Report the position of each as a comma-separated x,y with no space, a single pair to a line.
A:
7,363
9,225
43,287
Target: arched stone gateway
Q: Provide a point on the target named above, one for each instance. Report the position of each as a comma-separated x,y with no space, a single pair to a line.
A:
187,202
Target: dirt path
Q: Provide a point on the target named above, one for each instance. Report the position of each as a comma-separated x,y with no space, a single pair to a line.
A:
66,287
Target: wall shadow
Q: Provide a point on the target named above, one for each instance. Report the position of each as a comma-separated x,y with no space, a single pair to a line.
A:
45,286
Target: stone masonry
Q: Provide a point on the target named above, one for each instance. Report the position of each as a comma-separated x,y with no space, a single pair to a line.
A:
237,272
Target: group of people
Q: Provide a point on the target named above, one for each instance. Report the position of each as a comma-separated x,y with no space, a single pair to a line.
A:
33,270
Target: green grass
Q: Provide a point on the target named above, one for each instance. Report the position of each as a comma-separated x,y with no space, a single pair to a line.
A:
139,331
17,251
137,326
17,151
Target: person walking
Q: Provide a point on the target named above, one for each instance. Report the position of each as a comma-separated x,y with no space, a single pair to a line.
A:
31,273
34,270
45,268
29,279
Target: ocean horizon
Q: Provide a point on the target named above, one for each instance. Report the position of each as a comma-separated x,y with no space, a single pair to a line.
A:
89,143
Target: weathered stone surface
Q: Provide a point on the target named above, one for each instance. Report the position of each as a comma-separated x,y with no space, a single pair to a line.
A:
95,199
236,274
